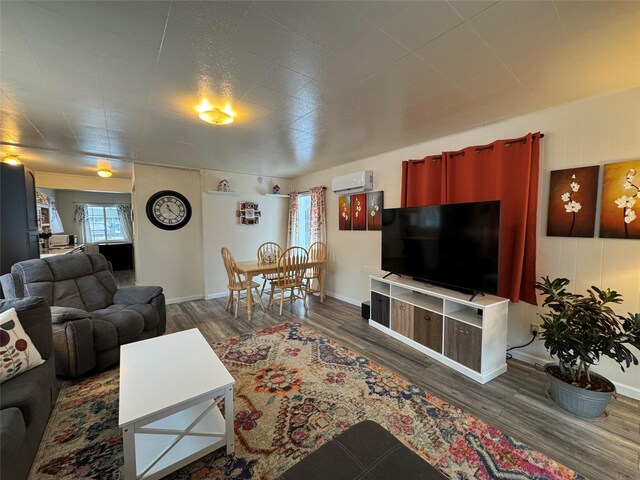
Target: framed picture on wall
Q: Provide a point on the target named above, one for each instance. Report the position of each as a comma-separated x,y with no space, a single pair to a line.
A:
620,205
375,204
344,212
248,213
359,211
573,194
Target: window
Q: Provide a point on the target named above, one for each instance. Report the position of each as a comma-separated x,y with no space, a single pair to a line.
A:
103,224
304,220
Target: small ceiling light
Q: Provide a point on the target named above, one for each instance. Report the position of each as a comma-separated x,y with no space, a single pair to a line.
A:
105,173
214,115
11,159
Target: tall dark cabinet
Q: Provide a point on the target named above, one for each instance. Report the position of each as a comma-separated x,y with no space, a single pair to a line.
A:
18,216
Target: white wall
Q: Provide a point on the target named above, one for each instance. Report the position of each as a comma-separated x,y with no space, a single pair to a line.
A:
593,131
187,262
171,259
82,182
221,227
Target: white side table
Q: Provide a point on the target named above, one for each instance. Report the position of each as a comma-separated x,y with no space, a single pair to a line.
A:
170,388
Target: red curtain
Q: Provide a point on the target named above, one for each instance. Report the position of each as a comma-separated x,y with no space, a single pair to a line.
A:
421,181
506,170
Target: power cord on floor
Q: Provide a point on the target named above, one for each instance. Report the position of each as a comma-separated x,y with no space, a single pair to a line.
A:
509,356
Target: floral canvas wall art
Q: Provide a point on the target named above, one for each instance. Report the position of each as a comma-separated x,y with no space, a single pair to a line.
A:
344,212
620,207
359,211
375,204
573,194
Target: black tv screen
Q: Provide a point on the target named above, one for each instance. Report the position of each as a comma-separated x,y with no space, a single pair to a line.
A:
455,245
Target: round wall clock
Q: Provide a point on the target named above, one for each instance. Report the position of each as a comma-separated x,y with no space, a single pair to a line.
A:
168,210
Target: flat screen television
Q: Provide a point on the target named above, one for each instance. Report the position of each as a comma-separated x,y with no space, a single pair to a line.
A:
455,245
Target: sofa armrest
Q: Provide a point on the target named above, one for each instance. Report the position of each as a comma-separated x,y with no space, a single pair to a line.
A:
133,295
12,286
74,345
35,317
66,314
13,453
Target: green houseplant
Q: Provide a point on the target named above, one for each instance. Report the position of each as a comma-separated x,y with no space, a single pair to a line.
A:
579,330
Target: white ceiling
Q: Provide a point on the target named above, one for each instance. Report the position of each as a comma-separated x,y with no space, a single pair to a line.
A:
314,84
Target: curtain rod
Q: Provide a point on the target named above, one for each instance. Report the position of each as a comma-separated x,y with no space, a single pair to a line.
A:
478,149
99,203
307,191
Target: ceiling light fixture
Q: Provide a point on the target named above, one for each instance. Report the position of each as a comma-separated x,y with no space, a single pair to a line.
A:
11,159
104,173
215,115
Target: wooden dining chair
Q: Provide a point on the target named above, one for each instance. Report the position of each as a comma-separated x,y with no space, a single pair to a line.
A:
268,251
237,284
317,253
291,266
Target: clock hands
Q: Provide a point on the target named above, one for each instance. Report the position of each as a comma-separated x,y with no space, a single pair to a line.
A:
171,210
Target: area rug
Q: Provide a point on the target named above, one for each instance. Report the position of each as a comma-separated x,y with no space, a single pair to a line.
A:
295,390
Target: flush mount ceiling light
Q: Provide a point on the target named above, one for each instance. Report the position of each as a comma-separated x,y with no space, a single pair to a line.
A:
11,159
103,172
215,115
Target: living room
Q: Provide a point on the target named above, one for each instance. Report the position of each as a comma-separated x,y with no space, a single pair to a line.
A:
302,119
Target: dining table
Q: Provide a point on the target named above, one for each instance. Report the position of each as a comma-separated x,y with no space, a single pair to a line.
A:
252,268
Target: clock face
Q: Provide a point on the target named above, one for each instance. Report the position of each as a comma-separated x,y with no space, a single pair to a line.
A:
168,210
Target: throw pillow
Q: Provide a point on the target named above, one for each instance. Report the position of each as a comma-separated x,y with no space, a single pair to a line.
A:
17,353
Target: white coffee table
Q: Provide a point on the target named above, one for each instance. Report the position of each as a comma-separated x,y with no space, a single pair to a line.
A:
170,387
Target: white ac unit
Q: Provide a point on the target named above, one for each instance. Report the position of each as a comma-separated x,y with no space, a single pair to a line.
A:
353,183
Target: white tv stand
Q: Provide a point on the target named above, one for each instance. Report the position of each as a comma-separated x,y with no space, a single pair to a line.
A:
468,336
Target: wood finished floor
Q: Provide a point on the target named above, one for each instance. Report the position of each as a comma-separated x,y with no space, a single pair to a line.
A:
515,402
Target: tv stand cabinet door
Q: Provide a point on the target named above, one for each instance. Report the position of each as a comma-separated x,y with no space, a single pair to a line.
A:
402,318
428,329
380,309
463,344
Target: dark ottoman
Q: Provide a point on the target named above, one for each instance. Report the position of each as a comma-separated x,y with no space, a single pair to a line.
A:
364,451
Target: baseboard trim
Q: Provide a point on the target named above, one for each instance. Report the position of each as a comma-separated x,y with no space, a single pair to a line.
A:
212,296
621,388
357,303
170,301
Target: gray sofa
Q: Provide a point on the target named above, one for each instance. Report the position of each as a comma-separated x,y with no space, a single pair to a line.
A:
26,400
91,317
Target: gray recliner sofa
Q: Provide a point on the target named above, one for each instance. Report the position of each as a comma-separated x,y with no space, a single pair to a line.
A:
26,401
91,317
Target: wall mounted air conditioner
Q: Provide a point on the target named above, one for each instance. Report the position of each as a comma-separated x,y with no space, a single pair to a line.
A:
353,183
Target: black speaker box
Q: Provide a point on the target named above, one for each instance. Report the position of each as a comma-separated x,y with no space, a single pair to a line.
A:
366,310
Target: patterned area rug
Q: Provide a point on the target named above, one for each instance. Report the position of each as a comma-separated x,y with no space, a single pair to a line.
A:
295,390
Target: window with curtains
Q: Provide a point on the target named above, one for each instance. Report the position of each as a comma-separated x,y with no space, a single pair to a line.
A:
304,221
307,218
103,224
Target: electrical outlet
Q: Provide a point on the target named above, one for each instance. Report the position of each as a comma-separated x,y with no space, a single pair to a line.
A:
535,328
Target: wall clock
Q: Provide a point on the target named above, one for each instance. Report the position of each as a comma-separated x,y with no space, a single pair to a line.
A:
168,210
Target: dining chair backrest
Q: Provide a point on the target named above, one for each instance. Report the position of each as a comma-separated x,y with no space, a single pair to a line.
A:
291,266
230,266
317,253
269,252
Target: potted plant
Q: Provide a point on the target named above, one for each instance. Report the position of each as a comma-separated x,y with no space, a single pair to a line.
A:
579,330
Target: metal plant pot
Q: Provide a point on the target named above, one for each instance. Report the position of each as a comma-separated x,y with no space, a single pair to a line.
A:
579,401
